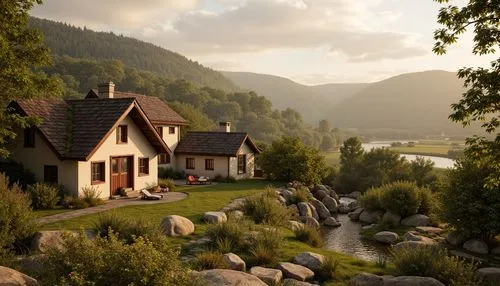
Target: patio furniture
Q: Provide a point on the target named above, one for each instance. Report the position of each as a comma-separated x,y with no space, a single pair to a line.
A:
193,180
146,195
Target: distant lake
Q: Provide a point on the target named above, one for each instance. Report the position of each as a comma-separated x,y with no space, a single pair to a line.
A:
439,162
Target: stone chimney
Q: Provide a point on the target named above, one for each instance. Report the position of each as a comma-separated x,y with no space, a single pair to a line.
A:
106,90
225,126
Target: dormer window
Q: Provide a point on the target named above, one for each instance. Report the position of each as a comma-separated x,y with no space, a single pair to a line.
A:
121,134
171,130
29,137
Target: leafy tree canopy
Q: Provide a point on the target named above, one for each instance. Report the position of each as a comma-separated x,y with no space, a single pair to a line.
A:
481,102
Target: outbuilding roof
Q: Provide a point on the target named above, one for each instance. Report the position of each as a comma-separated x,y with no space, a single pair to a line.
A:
214,143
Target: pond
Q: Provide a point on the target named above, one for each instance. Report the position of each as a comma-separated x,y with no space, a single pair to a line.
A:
439,162
347,239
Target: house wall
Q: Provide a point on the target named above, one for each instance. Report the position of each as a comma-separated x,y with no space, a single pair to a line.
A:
220,165
171,140
35,158
137,146
233,163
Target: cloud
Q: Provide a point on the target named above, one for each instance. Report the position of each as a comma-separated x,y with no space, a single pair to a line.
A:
353,30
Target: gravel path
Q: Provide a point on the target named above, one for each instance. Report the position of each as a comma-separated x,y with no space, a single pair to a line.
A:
112,204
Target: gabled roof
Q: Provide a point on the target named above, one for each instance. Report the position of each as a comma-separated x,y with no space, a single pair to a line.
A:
214,143
75,129
156,109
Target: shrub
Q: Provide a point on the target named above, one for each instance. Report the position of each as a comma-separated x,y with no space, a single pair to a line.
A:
170,173
401,198
228,236
110,261
209,260
309,235
91,196
80,204
265,249
301,195
434,262
43,196
16,217
17,174
263,209
125,229
372,199
70,202
428,202
328,269
167,183
230,179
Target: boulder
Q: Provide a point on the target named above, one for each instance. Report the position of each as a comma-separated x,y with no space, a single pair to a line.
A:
490,275
304,209
295,271
320,194
416,220
286,194
354,215
293,282
370,217
234,262
456,238
294,210
43,240
413,244
332,222
344,209
225,277
465,255
236,214
295,225
411,281
477,246
415,236
282,200
386,237
323,212
331,204
310,260
368,226
366,279
268,275
215,217
312,222
314,211
174,225
429,230
355,195
11,277
391,218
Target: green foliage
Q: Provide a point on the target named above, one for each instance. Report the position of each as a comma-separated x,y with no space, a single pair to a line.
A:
372,199
92,196
111,261
480,102
209,260
434,262
309,235
17,174
289,159
429,203
421,171
16,217
469,204
328,269
265,249
228,236
170,173
167,183
266,210
70,202
43,196
401,198
300,195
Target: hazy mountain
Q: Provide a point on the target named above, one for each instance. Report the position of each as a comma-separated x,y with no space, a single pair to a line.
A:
63,39
313,102
419,102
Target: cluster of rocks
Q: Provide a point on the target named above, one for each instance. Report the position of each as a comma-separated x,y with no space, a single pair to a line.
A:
299,273
320,210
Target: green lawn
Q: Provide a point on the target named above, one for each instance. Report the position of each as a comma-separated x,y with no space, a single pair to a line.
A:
202,199
56,210
425,149
332,158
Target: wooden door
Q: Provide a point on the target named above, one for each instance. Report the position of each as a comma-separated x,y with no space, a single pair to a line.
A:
121,173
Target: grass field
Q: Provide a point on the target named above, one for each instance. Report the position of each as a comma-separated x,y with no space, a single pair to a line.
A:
424,149
202,199
332,158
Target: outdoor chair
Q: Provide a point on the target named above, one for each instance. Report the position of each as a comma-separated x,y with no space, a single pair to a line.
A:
146,195
192,180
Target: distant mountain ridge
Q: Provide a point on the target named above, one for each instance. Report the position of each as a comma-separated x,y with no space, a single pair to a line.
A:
64,39
313,102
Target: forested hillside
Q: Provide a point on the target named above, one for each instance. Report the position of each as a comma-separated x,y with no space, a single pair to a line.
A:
201,106
64,39
415,102
313,102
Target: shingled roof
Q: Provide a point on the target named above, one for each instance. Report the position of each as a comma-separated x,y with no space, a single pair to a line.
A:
156,109
75,128
214,143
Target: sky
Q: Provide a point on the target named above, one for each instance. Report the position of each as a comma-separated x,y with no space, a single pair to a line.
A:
308,41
